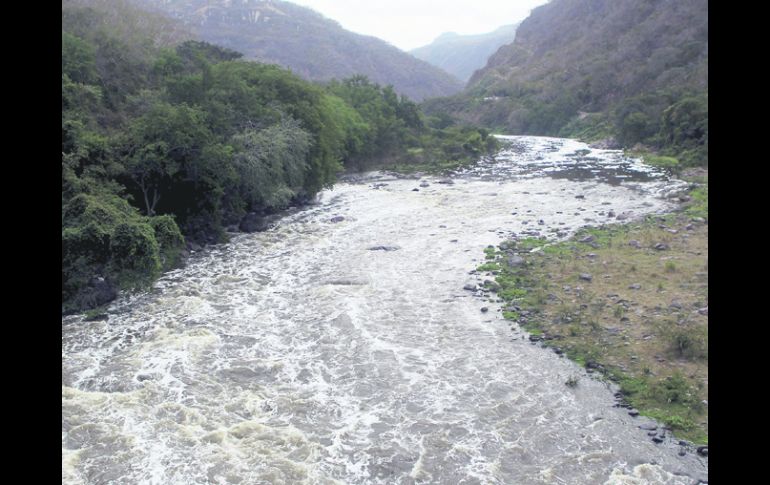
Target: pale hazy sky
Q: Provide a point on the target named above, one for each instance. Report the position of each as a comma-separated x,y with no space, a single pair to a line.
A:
408,24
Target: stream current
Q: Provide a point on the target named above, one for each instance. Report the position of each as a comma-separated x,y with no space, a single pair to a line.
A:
345,351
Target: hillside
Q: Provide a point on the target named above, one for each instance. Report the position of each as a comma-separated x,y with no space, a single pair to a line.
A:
634,70
306,42
461,55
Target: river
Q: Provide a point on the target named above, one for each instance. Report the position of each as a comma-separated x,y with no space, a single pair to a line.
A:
339,347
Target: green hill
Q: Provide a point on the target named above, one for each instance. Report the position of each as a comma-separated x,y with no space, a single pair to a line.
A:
633,70
306,42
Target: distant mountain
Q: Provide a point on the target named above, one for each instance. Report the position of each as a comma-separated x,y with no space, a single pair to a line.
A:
575,58
461,55
308,43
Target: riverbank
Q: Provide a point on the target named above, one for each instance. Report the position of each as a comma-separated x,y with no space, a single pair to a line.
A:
629,302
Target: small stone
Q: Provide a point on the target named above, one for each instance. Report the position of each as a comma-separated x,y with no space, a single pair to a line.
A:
336,219
580,196
384,248
635,286
484,309
633,413
703,450
661,246
469,287
634,243
415,190
424,184
586,277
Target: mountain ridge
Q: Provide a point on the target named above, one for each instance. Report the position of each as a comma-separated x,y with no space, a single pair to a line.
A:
310,44
461,55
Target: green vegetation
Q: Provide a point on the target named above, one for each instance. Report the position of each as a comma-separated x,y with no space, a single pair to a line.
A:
632,71
166,141
310,44
641,324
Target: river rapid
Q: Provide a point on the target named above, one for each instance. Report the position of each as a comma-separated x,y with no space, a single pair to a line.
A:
339,347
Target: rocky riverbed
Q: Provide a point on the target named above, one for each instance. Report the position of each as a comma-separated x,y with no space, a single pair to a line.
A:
340,347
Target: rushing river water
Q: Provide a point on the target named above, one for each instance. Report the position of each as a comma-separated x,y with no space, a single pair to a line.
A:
347,351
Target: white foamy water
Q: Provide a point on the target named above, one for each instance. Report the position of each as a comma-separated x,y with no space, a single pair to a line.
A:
300,356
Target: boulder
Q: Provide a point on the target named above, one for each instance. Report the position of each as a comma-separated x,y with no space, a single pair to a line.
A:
253,222
384,248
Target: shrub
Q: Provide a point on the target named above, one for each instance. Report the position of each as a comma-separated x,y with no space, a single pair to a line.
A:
134,254
169,238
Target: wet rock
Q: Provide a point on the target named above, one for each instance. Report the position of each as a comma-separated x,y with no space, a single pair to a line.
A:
648,427
606,144
96,318
657,439
446,182
415,190
470,287
424,184
580,196
633,413
253,222
384,248
193,246
611,214
98,292
484,309
337,219
703,450
586,277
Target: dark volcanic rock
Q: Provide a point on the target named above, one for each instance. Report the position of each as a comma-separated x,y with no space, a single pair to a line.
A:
384,248
253,222
98,292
